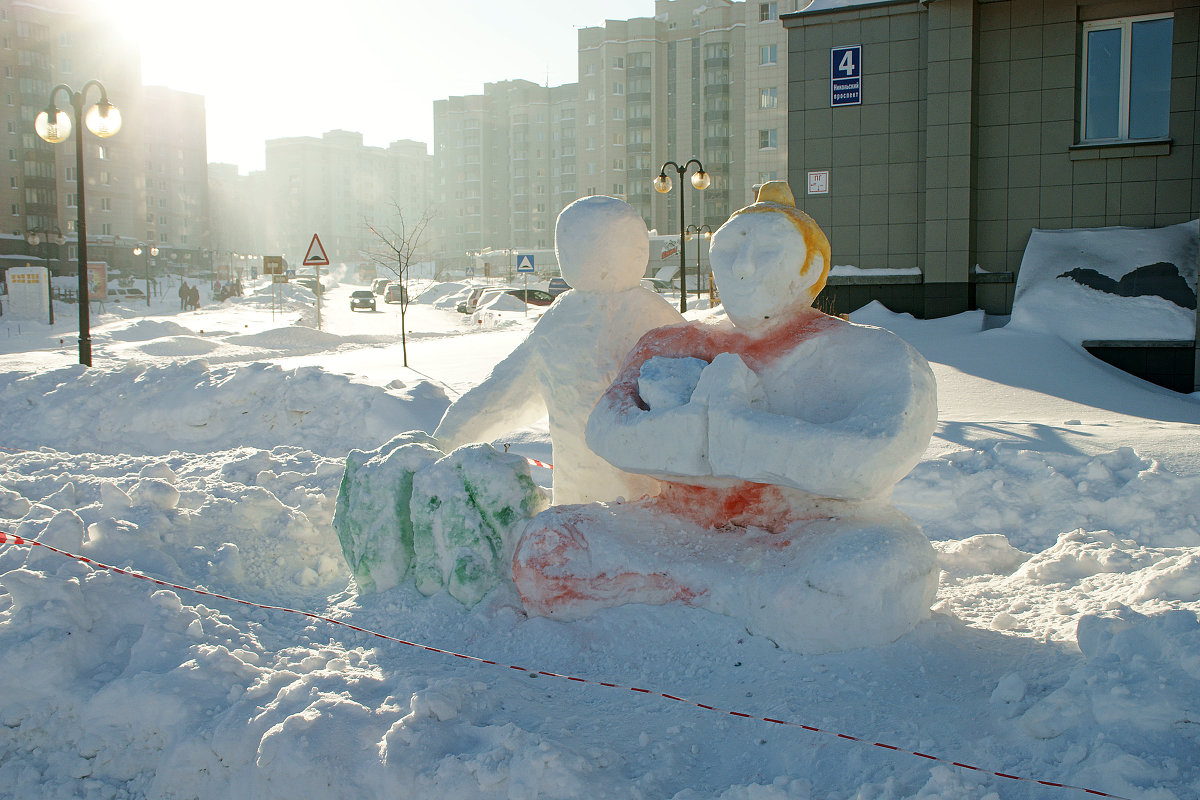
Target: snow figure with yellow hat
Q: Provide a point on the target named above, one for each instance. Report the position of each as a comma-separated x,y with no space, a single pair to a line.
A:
778,433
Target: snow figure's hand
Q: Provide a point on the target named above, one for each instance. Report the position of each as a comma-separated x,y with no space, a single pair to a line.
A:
667,382
728,383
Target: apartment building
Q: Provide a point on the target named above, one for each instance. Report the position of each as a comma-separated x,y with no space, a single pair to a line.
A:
147,183
703,79
336,187
506,164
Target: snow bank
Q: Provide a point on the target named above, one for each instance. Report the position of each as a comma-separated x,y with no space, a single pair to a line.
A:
192,406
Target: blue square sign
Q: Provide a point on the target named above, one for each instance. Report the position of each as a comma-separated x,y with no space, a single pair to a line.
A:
845,75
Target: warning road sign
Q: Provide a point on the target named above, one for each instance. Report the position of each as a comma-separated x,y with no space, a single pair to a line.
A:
315,257
525,262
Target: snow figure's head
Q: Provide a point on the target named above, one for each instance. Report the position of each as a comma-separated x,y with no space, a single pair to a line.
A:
602,245
769,258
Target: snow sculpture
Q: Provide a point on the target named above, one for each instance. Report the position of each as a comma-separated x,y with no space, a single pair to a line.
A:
778,436
453,521
447,520
573,352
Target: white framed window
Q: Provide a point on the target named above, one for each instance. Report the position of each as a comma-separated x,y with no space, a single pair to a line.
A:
1126,91
618,113
768,12
768,98
768,139
618,88
767,54
618,63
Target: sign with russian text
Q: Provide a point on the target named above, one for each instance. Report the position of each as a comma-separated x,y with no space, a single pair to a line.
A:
845,75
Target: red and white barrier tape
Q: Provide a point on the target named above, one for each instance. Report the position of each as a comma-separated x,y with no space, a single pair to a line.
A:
9,538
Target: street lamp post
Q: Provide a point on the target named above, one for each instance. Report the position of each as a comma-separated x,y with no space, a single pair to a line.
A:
700,230
54,125
662,185
148,251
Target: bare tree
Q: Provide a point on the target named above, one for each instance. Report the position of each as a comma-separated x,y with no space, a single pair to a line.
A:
401,242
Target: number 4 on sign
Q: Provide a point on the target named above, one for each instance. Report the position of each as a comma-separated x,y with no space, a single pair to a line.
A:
315,257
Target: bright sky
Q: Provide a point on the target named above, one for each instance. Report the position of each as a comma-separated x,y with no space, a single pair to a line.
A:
276,68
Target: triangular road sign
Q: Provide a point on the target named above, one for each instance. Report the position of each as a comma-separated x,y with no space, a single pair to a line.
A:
525,263
315,257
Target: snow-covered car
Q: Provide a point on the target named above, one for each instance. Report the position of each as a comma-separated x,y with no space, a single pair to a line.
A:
558,286
363,298
118,295
379,285
395,293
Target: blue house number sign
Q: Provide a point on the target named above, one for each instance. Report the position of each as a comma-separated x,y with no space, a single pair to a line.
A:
845,75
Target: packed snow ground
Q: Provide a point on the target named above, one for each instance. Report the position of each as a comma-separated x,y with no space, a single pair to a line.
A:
205,448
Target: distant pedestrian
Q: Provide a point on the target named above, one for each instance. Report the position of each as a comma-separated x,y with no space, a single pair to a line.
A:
194,297
184,294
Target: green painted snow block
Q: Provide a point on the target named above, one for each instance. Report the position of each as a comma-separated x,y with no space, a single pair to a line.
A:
372,517
468,510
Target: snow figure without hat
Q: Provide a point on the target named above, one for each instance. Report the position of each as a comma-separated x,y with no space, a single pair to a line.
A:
778,434
574,351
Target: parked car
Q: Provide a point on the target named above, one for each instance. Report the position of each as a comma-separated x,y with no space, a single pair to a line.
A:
117,295
395,293
469,305
379,285
533,297
362,298
558,286
655,285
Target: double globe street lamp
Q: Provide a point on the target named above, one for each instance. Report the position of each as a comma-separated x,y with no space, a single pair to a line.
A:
149,251
54,125
662,185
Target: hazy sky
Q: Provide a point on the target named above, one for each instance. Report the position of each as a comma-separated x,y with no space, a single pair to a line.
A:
274,68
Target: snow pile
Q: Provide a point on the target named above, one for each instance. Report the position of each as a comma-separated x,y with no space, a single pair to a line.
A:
1110,283
1063,644
193,406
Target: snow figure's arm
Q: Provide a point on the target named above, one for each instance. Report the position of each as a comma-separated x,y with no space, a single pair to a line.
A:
867,431
508,398
656,435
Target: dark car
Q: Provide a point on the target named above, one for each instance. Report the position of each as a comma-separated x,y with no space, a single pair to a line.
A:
532,297
363,298
558,286
395,293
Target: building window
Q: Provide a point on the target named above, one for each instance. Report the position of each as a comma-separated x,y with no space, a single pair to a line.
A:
1127,78
618,88
768,11
618,113
767,54
106,229
768,98
105,204
618,63
768,139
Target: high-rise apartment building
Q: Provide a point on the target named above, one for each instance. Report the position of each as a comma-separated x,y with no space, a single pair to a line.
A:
701,78
174,194
335,187
147,183
42,45
506,165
